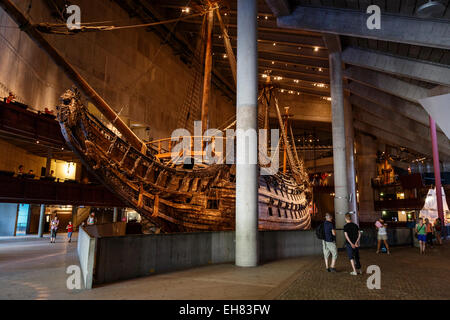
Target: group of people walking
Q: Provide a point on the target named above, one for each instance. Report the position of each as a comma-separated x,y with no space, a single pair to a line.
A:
425,231
54,224
352,243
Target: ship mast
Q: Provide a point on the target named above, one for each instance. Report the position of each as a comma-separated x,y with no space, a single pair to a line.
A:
73,74
207,73
208,59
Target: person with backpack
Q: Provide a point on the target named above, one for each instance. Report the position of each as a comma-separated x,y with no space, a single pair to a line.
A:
327,233
421,232
352,237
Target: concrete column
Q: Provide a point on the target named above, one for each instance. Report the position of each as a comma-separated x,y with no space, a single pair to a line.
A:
48,163
247,126
437,173
41,221
74,214
339,147
115,214
349,144
366,148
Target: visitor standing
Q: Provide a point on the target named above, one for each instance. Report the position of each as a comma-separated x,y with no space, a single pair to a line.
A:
91,219
437,230
54,228
329,243
20,171
382,235
421,231
429,228
69,231
352,238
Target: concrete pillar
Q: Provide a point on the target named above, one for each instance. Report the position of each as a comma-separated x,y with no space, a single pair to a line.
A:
41,221
350,158
48,163
74,214
366,148
115,214
247,148
437,173
339,146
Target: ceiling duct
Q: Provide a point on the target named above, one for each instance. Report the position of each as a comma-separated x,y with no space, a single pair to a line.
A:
431,9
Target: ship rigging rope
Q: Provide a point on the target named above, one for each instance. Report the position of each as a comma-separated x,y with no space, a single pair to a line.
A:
57,28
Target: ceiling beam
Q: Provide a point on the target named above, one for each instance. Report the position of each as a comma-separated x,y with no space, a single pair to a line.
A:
393,138
272,35
386,83
422,145
407,128
405,108
288,50
296,69
394,28
285,73
279,7
411,68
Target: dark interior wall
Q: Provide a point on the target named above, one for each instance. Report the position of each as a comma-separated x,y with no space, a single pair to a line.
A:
33,226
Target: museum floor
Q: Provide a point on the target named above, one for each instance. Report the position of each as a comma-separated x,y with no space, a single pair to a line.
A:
32,268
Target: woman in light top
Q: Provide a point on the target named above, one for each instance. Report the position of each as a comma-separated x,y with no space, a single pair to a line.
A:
91,219
382,235
54,228
421,231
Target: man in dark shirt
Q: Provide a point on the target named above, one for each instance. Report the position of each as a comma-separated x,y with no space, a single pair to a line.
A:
352,237
329,243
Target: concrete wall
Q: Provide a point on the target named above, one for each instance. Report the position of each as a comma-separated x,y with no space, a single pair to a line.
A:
8,214
120,258
86,254
396,237
130,69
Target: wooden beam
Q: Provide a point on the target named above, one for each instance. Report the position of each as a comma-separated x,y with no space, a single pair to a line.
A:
228,47
207,74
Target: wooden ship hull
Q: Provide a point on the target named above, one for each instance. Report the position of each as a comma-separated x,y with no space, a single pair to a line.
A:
176,199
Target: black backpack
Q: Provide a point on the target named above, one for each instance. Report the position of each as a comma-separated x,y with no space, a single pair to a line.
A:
320,232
